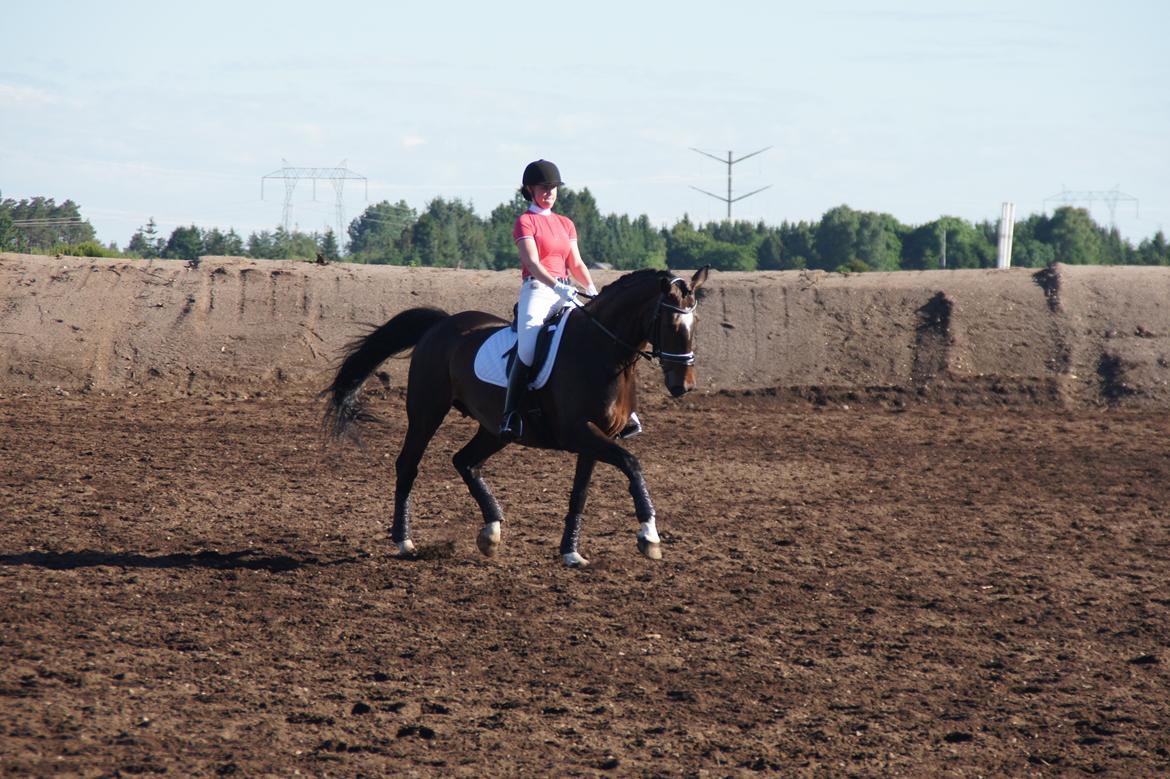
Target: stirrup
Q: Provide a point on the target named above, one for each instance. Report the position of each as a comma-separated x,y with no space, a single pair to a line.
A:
512,428
632,428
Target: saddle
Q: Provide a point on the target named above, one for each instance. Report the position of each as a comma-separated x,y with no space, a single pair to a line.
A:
495,356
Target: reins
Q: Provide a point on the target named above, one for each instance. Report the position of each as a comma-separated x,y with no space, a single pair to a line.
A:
682,358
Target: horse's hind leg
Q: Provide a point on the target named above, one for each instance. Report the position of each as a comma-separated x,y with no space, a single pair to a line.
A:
418,436
468,461
577,498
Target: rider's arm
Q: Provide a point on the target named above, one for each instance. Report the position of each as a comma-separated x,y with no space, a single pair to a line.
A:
578,269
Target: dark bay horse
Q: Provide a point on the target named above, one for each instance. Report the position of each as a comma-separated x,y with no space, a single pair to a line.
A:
582,407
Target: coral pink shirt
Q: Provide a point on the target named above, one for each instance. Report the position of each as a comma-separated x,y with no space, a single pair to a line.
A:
553,234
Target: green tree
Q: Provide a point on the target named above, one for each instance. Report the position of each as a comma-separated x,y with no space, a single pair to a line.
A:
220,244
40,223
1075,238
581,207
770,253
500,246
448,235
798,240
686,246
328,246
7,231
1153,251
87,249
146,242
1030,249
879,241
261,246
740,233
836,239
377,235
293,245
631,244
185,243
725,256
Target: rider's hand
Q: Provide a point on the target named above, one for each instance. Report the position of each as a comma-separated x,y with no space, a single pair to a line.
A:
566,292
591,291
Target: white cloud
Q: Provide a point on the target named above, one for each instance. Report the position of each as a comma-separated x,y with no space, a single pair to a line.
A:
410,141
10,95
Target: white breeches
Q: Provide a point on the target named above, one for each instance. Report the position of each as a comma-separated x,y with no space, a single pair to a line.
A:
537,301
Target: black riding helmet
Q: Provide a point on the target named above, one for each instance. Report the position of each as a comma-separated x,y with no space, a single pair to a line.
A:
540,172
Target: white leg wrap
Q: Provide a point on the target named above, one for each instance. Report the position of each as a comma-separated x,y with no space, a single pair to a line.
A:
649,532
574,560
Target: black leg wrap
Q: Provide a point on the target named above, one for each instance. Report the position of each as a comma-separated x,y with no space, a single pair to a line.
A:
572,534
484,497
643,508
401,529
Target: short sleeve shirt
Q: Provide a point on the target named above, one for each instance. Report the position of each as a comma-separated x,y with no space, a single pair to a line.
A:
553,234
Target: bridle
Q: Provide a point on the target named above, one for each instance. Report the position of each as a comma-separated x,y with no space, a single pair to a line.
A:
678,358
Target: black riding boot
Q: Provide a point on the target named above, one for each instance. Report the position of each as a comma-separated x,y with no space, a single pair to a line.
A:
512,426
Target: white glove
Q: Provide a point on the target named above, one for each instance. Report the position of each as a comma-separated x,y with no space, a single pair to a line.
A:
591,290
566,292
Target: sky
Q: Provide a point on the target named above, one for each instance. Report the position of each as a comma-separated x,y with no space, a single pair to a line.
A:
176,111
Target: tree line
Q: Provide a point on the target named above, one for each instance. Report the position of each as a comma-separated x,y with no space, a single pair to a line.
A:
449,233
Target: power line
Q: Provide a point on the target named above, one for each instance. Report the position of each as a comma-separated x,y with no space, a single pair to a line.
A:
1109,197
47,222
337,176
729,162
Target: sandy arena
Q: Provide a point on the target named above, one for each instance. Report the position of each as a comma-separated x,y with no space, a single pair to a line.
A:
913,524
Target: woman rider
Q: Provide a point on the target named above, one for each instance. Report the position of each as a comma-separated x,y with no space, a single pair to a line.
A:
549,261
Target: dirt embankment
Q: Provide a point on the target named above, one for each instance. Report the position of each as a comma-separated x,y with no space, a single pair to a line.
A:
1064,335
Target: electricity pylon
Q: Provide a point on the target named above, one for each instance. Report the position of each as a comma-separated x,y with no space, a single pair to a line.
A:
729,162
1110,197
338,176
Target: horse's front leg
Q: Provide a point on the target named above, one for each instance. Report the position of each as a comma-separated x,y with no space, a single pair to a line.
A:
467,462
592,443
577,497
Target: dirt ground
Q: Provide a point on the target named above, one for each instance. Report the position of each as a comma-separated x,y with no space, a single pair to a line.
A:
197,587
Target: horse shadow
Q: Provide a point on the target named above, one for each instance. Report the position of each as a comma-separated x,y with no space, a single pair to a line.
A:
247,559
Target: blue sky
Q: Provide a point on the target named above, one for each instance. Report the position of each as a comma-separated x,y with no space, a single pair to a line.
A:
917,109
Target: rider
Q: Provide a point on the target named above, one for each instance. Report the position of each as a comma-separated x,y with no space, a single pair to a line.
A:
549,260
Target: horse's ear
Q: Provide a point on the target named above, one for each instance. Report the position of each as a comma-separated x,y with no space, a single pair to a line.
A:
699,277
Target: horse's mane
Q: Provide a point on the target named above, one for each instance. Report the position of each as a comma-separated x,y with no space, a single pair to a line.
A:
627,282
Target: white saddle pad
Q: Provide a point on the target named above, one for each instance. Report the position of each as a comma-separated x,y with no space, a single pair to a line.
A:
491,362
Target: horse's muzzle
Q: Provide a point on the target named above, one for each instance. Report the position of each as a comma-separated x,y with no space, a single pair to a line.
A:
679,382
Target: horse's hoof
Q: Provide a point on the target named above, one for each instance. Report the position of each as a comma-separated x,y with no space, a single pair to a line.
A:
406,548
488,539
574,560
651,549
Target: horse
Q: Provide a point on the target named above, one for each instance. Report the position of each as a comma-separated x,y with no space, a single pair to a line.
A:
582,407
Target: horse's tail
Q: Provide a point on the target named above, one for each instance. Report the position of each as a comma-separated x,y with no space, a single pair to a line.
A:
362,358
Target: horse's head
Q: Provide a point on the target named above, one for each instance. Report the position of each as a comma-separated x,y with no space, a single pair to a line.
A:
672,333
655,307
